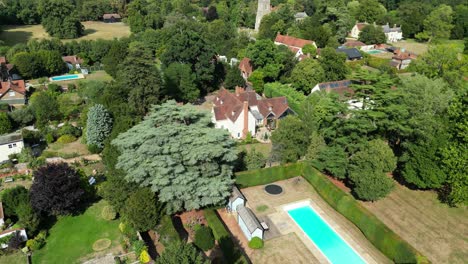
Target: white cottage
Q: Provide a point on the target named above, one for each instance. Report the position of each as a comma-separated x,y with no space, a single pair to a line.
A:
10,144
249,223
236,199
393,34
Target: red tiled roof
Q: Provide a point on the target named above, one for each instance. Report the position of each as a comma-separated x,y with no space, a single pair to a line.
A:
72,59
109,16
353,43
292,41
404,56
245,65
229,105
17,86
360,26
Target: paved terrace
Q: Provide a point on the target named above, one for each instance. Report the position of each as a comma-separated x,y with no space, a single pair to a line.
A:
285,242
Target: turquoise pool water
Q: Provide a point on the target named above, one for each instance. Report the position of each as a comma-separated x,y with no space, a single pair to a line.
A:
65,77
374,51
324,237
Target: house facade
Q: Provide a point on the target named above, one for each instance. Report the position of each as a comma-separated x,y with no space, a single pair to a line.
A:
111,18
294,44
393,34
402,59
10,144
73,62
13,92
243,111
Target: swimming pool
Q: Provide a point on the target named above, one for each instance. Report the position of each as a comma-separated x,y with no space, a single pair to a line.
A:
67,77
374,51
332,245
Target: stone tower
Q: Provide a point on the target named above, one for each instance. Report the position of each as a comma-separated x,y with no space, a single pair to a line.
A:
263,8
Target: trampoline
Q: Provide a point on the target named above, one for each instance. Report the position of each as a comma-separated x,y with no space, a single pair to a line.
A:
273,189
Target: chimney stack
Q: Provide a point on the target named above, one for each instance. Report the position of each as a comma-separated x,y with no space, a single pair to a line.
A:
245,131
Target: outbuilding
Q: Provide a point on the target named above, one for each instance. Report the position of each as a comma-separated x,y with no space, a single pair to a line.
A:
249,223
10,144
111,18
236,199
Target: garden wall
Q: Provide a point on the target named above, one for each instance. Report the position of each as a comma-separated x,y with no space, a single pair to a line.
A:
381,236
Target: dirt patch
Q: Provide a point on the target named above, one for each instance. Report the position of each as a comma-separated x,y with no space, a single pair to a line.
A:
101,244
436,230
285,249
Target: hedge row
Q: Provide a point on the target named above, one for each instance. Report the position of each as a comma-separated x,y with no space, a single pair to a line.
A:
231,253
267,175
382,237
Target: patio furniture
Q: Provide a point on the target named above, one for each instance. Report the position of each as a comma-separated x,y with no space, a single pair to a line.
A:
265,226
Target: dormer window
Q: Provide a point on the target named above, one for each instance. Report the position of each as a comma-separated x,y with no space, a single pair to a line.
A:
270,108
233,113
221,102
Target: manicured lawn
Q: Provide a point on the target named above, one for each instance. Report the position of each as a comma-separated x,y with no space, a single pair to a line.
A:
16,258
93,30
264,148
420,48
435,229
72,237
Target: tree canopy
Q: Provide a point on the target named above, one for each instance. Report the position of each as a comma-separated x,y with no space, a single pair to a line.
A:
178,154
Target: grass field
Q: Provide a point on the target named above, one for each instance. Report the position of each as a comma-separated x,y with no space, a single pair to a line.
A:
436,230
93,30
16,258
264,148
420,48
72,237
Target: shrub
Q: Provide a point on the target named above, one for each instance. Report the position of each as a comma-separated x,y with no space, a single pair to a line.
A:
38,242
65,139
49,138
139,246
94,149
256,243
68,129
204,238
108,213
144,257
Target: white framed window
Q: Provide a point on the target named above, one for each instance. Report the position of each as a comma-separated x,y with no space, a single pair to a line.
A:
11,93
14,145
10,146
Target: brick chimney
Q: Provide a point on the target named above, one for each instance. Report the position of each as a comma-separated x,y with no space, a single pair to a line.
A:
239,90
246,119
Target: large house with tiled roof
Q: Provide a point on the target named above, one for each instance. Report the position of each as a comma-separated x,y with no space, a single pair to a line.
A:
243,111
294,44
13,92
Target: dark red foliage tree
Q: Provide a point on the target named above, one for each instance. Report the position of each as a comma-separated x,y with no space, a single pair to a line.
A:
57,189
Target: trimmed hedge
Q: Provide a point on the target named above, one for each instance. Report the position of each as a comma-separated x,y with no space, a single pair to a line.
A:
263,176
382,237
204,238
231,253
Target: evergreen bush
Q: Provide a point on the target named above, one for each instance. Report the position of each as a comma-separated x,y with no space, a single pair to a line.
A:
256,243
204,238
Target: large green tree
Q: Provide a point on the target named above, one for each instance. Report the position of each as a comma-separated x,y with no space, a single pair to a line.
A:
233,78
367,170
60,19
181,83
371,34
334,64
142,210
45,107
290,139
139,75
177,152
306,75
438,23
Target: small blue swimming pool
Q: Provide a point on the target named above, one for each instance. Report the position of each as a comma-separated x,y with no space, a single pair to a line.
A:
66,77
332,245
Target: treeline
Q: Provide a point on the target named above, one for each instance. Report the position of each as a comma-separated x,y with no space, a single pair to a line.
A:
408,126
